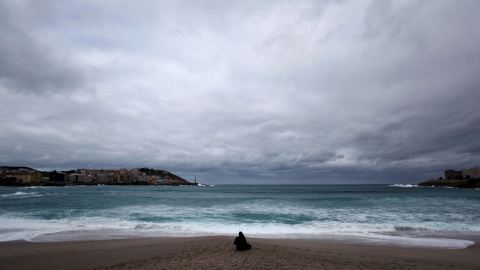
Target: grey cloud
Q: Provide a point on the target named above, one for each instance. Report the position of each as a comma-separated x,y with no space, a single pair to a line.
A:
27,65
335,92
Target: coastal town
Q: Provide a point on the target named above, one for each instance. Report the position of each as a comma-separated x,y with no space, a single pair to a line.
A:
26,176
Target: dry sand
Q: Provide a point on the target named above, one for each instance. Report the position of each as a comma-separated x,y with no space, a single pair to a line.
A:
218,252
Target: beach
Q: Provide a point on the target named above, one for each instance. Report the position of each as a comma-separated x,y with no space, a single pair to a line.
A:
218,252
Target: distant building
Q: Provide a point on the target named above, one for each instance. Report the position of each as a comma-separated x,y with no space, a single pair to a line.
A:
471,173
26,177
143,178
101,178
80,178
160,180
125,178
57,177
452,174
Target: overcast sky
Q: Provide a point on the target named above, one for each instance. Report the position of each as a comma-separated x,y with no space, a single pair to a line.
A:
243,91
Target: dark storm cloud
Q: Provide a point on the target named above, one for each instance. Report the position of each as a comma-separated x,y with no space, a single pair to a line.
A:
251,92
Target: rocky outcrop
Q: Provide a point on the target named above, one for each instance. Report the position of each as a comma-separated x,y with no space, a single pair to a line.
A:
457,183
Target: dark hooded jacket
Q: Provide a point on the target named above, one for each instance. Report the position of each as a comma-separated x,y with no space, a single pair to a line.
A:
241,242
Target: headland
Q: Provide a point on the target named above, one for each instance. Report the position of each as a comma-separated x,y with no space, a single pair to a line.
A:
465,178
25,176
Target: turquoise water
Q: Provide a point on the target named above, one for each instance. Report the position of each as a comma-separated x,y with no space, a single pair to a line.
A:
378,214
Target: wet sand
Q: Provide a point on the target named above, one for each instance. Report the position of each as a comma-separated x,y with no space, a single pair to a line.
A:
218,252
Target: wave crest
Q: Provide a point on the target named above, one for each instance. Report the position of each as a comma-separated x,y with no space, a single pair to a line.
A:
404,185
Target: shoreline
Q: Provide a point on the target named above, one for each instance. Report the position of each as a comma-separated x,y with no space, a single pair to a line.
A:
450,240
218,252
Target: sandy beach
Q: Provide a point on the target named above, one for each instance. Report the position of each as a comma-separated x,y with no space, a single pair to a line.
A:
218,252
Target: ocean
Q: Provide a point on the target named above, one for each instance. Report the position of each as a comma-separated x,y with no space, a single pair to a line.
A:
395,215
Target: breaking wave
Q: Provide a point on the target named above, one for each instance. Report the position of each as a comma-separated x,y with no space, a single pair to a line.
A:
22,194
404,185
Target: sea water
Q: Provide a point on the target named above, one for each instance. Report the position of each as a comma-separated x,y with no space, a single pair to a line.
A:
404,215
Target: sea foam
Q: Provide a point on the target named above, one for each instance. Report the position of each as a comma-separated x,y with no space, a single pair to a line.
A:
21,194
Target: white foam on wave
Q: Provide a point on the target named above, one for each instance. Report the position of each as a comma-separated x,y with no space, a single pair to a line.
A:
286,217
14,228
104,228
418,242
404,185
26,235
22,194
348,233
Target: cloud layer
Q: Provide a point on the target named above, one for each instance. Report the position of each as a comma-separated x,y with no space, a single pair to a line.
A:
248,92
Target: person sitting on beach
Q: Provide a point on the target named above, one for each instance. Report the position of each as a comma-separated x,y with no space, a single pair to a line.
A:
241,242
